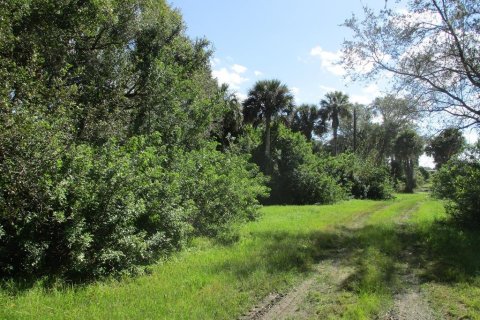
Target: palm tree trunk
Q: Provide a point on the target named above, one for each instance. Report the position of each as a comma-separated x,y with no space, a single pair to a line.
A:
267,142
409,175
335,149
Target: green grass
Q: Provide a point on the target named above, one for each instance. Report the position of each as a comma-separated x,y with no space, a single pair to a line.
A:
211,281
208,281
373,251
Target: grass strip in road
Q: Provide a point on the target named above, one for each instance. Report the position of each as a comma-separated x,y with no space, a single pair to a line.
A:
442,257
374,253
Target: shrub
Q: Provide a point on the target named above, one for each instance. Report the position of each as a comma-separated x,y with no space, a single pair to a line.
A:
92,213
302,177
458,182
97,211
371,181
361,178
87,188
314,185
223,187
299,177
425,174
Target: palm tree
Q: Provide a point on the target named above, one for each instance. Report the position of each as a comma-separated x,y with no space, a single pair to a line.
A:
307,119
230,125
334,107
267,100
408,148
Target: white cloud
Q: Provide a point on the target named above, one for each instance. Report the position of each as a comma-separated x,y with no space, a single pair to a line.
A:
295,90
368,94
232,78
258,73
215,62
238,68
241,96
426,161
330,61
326,88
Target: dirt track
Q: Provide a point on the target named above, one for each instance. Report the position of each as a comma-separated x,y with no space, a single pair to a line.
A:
329,277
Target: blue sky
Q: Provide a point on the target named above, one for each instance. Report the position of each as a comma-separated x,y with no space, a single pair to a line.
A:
296,42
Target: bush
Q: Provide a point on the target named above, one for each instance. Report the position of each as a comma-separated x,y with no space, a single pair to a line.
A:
223,187
97,211
299,176
313,184
425,174
87,188
458,182
371,181
303,177
361,178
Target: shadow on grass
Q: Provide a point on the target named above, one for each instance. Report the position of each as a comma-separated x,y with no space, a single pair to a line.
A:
439,252
380,254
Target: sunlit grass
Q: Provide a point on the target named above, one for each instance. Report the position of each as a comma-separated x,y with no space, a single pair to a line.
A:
208,281
368,239
456,301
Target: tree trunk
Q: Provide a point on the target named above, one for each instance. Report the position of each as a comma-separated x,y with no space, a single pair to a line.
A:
267,142
335,149
409,175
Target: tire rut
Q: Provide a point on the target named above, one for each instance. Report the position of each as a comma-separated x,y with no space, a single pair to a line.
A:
286,305
411,304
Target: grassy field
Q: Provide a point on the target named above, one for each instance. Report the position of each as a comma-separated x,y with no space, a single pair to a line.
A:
374,243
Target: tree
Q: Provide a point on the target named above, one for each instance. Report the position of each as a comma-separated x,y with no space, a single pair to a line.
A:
396,114
408,147
229,126
431,49
267,100
445,145
334,107
299,176
107,112
307,119
355,134
114,69
395,109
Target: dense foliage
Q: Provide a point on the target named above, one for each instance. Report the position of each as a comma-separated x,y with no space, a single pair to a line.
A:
224,188
302,176
117,146
457,183
299,176
444,146
107,115
361,178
